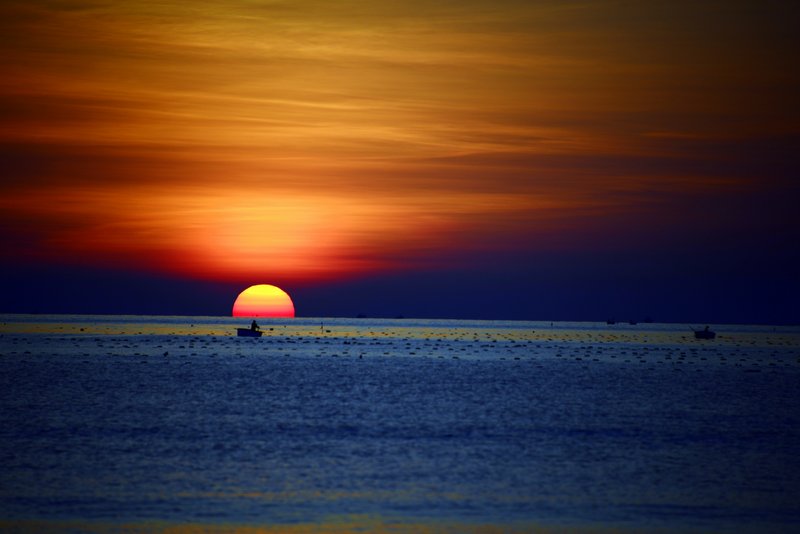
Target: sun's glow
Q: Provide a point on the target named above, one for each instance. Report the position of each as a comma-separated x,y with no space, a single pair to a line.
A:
263,300
312,141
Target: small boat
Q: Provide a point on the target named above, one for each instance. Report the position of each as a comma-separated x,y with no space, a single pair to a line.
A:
248,332
704,334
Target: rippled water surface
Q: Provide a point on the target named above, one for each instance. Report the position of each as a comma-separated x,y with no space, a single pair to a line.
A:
131,420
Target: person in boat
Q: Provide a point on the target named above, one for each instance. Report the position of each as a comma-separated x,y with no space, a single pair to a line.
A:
254,326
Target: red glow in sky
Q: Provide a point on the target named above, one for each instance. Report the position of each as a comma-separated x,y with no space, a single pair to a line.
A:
232,142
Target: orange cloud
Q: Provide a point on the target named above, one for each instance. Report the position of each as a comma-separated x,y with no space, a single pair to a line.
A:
310,139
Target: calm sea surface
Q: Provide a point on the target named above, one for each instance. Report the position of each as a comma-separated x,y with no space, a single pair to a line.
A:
328,424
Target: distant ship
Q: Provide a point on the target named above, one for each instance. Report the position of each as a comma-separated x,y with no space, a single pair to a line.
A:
704,334
248,332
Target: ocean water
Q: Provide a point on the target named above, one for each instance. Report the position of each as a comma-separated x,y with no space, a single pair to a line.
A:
149,423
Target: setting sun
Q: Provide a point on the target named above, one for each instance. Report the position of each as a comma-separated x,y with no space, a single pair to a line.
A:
263,300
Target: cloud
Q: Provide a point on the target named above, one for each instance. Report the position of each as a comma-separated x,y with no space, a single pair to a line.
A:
323,139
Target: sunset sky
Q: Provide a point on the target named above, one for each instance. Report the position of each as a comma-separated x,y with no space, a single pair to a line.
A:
489,159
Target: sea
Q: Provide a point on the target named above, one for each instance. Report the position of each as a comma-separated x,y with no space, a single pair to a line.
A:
175,424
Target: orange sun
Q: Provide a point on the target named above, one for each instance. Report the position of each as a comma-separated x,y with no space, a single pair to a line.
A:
263,300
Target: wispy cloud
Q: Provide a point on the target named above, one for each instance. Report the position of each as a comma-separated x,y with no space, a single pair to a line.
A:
321,138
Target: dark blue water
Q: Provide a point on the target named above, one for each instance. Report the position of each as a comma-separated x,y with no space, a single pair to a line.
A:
299,428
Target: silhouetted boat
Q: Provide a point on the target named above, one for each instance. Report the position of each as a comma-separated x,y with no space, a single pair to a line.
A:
704,334
248,332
